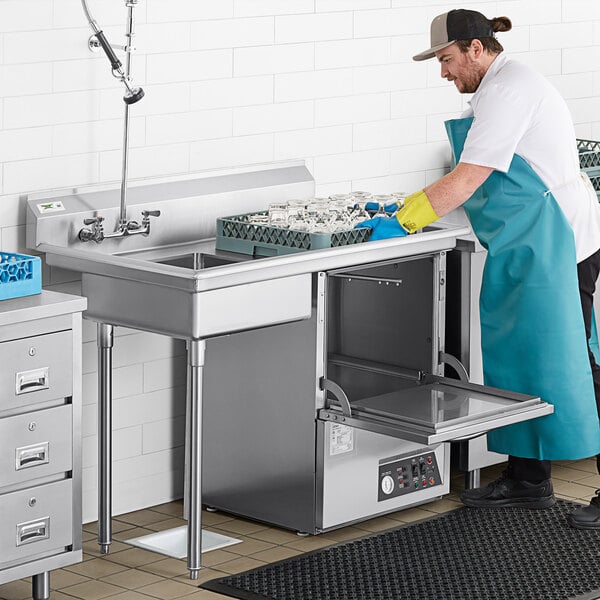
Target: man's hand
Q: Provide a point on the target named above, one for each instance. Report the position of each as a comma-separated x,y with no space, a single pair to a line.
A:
383,228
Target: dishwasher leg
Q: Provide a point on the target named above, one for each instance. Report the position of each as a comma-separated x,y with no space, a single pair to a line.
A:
196,350
472,479
40,586
105,346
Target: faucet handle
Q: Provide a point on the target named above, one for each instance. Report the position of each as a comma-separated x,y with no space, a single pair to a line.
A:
150,213
93,220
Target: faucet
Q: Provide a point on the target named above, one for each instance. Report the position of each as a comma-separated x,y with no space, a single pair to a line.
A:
95,233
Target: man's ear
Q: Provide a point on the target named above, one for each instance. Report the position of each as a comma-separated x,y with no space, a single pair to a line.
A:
477,48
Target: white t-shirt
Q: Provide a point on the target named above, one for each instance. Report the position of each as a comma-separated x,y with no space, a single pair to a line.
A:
517,111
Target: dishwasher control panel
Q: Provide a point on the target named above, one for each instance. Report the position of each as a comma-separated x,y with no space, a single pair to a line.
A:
407,475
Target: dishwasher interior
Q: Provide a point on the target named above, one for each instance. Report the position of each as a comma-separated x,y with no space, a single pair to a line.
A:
316,424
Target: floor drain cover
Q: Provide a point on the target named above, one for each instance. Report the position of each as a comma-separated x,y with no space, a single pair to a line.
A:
467,554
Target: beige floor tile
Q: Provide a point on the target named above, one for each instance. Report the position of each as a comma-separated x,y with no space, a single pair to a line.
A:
410,515
92,590
174,509
275,554
378,524
249,546
589,465
241,526
571,490
88,536
310,543
141,518
346,533
218,557
205,574
166,567
129,595
96,568
128,534
240,565
444,505
132,579
206,595
275,535
116,526
215,518
134,557
568,473
167,588
171,523
55,595
61,578
16,590
592,481
92,549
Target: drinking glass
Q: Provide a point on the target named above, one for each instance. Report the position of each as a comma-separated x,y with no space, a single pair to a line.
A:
278,214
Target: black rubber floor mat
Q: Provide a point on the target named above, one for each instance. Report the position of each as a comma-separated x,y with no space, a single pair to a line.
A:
467,554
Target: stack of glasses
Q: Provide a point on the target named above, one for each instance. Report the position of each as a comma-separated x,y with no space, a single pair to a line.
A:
339,212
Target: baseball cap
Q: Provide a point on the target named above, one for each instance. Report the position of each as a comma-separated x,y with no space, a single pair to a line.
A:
460,24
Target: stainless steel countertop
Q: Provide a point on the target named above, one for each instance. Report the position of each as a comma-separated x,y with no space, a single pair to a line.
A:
142,266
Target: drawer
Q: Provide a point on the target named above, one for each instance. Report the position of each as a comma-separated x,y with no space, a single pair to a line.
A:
36,369
36,520
35,444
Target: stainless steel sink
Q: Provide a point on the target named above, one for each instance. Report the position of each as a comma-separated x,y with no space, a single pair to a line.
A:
173,282
201,260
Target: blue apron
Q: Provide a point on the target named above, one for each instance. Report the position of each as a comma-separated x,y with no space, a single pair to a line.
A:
532,332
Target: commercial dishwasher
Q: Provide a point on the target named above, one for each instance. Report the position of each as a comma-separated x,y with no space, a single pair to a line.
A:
320,423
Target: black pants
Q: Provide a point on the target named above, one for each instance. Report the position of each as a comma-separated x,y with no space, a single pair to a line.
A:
531,469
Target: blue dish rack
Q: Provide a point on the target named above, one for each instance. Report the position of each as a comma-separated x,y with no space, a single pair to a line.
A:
20,275
589,161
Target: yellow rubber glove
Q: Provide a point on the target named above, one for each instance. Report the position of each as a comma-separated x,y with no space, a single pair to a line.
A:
417,212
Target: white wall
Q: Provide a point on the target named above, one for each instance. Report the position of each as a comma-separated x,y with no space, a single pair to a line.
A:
233,82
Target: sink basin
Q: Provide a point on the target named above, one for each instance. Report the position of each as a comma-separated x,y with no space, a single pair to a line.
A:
199,260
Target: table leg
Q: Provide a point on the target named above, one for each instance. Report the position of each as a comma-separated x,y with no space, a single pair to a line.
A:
196,350
472,479
40,586
105,346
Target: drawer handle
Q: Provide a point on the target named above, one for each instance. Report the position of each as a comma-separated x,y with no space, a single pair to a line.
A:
33,531
32,456
32,381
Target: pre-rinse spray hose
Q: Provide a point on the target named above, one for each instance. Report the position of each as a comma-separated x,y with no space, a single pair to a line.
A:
133,94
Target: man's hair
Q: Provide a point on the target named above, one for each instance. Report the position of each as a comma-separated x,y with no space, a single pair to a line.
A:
491,44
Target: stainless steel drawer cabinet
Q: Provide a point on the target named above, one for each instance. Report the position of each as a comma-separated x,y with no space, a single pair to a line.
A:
40,437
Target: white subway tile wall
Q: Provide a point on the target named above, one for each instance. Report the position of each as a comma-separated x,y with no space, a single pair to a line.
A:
230,83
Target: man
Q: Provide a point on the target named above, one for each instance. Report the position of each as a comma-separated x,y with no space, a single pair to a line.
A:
517,175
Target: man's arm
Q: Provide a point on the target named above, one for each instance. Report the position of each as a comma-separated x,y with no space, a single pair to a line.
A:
455,188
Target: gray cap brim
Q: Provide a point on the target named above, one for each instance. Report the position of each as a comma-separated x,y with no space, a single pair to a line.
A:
426,54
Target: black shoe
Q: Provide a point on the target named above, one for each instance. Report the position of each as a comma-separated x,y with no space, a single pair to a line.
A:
586,517
506,492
